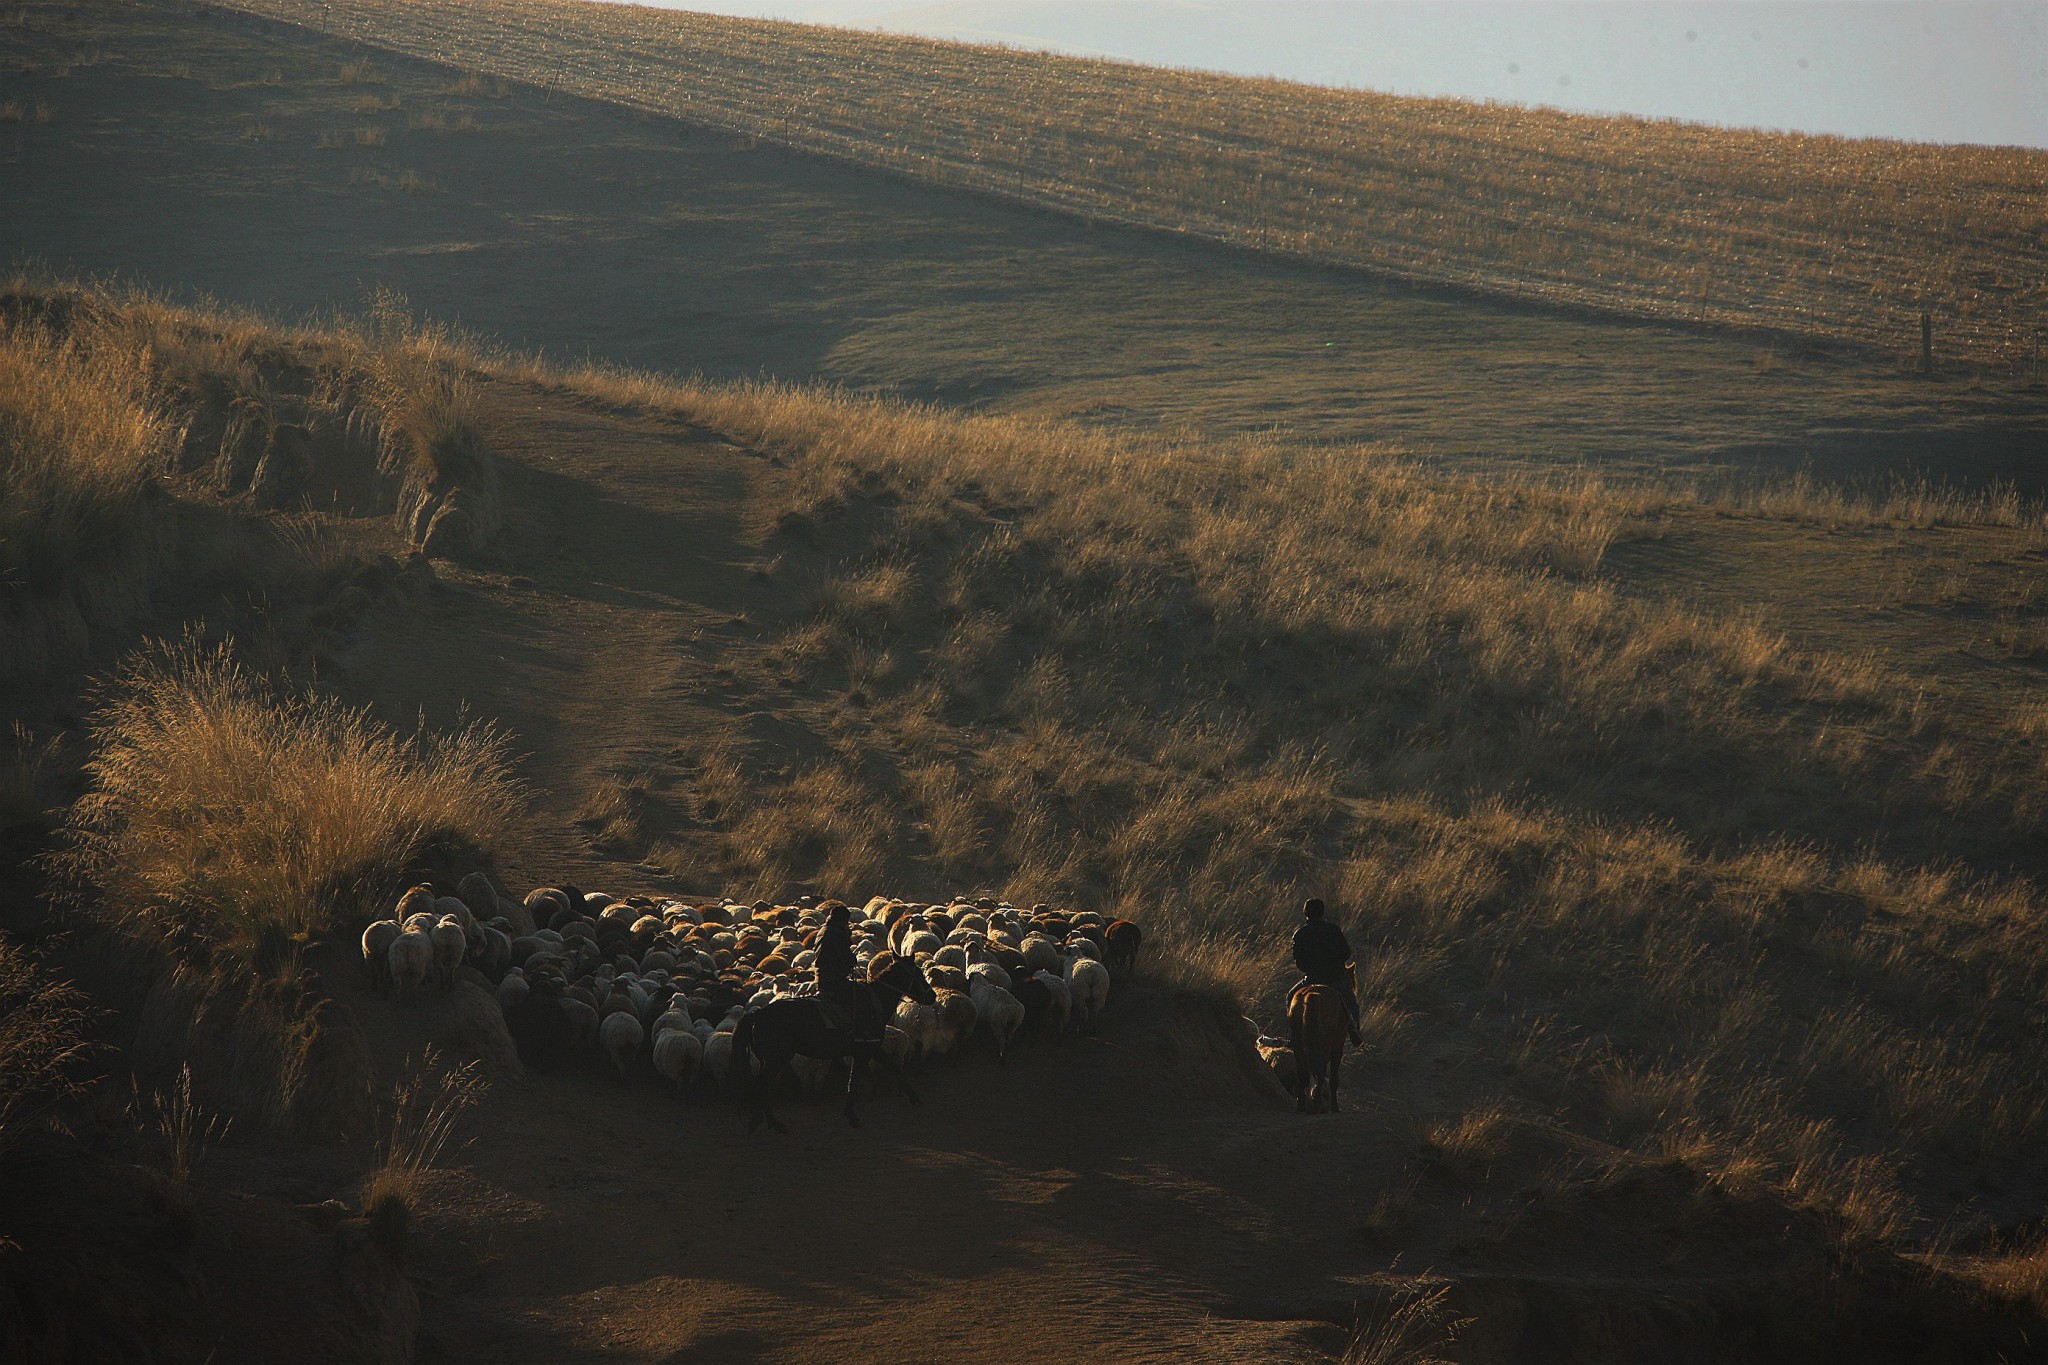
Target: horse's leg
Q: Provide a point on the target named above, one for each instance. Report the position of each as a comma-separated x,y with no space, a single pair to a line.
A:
1304,1075
772,1070
854,1061
1336,1044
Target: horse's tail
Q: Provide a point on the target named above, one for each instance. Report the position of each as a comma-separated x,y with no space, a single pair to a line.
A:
742,1069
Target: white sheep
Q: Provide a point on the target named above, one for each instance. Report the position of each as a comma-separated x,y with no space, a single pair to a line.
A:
620,1035
410,960
1000,1010
677,1016
992,971
677,1055
1060,1012
956,1022
1041,954
717,1064
453,907
376,949
451,945
1088,980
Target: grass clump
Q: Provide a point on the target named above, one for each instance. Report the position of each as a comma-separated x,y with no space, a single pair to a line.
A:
82,436
424,1109
41,1037
219,810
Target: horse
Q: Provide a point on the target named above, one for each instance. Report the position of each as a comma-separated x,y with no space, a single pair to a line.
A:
794,1026
1317,1026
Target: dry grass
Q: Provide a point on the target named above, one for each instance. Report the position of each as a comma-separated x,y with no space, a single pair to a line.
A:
1411,1331
1706,895
222,813
424,1109
81,439
41,1037
181,1126
1799,234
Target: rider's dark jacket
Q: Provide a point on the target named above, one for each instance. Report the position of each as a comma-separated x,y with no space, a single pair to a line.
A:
1321,951
834,962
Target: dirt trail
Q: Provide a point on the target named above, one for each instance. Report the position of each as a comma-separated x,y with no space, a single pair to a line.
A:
1123,1197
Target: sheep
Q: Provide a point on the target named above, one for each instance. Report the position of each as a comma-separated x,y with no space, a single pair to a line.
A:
450,945
497,951
582,1017
1041,954
916,1023
410,961
1059,1011
476,892
957,1018
452,907
999,1009
620,1035
538,1025
923,941
952,955
717,1063
376,947
677,1055
418,900
512,988
992,971
1122,938
1088,980
676,1017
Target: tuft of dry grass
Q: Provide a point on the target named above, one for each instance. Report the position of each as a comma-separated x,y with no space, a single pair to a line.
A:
424,1108
219,811
1815,235
42,1037
81,439
182,1127
1414,1329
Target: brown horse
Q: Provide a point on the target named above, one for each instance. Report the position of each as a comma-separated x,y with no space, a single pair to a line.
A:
1317,1027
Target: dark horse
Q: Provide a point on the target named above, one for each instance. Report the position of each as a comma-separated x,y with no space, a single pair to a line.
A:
1318,1024
793,1027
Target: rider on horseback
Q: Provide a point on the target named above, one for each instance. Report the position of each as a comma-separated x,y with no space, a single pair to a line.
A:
843,1003
1324,956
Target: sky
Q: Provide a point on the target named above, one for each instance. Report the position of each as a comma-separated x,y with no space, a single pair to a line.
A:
1925,70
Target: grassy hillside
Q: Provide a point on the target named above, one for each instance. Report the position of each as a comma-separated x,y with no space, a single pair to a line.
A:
273,166
1813,236
1646,890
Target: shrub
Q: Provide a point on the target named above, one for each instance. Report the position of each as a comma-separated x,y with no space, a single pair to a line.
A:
220,810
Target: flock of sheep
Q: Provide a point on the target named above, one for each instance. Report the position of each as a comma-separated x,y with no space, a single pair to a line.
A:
665,983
